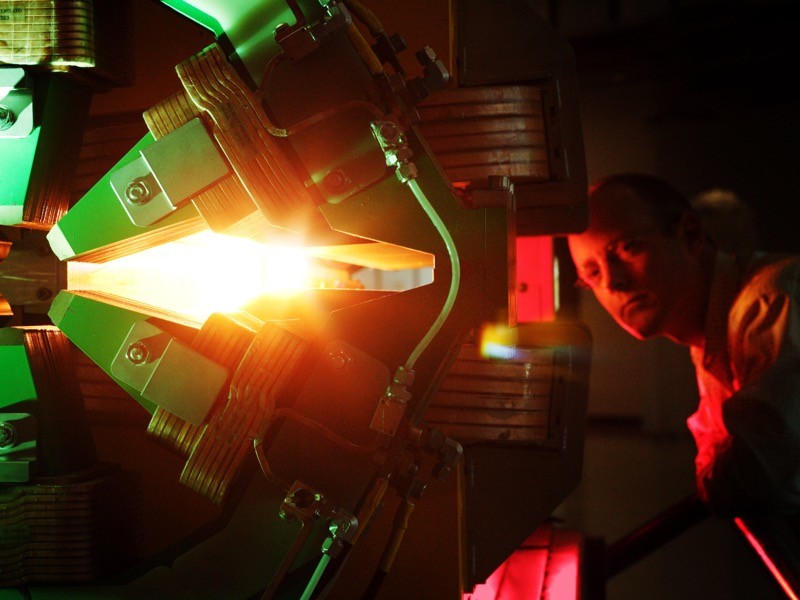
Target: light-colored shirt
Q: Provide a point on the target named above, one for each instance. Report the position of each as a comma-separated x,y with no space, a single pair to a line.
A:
747,425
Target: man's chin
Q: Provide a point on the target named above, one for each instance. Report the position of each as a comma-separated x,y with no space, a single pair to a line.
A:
641,331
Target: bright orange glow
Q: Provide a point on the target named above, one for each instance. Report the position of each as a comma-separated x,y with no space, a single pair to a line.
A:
762,553
198,275
498,341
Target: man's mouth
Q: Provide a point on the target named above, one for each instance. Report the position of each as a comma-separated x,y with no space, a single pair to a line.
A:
634,302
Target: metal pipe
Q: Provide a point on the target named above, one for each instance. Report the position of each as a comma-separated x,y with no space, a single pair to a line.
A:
654,533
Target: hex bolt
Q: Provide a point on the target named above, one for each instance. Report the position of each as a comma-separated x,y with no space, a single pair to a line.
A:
138,191
338,359
303,498
389,131
7,117
8,434
336,181
137,353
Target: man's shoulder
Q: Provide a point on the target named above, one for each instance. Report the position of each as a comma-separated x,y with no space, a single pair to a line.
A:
763,273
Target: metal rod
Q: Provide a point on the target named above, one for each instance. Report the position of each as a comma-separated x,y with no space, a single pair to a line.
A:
654,533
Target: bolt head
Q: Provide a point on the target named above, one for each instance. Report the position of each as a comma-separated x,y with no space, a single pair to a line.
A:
138,191
8,435
338,359
303,498
336,181
138,353
7,117
389,131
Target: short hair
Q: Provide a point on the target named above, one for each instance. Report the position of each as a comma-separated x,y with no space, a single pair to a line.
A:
665,202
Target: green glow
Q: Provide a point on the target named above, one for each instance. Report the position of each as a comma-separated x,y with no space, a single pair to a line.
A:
16,164
200,16
312,583
247,24
16,381
455,278
99,220
98,329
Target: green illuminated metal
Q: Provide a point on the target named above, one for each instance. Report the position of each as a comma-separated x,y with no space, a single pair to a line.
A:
199,14
17,150
99,330
99,220
249,25
16,165
16,381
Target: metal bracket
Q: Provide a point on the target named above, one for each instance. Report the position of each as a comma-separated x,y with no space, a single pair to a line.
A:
392,405
167,173
168,372
18,433
16,103
299,41
395,149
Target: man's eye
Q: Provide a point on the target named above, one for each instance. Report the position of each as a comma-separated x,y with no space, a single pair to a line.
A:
589,278
629,248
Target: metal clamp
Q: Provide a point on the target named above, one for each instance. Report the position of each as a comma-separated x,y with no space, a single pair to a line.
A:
18,438
300,40
395,149
168,372
16,103
168,173
393,403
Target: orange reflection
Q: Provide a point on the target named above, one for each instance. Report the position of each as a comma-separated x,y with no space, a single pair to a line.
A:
199,275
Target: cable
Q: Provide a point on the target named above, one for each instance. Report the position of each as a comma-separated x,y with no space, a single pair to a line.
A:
312,583
455,277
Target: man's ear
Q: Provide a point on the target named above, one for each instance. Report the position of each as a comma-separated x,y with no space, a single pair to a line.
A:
692,231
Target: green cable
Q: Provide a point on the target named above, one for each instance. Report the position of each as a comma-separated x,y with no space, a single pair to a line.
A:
455,278
312,583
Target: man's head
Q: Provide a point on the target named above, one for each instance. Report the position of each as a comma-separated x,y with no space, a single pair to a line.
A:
646,257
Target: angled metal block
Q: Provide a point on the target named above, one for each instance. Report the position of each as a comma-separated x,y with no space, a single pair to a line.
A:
168,373
168,173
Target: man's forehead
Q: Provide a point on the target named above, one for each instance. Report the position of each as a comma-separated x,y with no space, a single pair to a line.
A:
611,217
619,210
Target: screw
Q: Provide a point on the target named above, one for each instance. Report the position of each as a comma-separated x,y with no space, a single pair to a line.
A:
303,498
137,353
138,191
8,435
43,293
7,117
336,181
338,359
389,131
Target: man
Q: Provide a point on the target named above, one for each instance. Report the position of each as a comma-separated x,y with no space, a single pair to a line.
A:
649,262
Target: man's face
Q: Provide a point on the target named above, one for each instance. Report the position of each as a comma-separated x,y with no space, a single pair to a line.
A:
648,280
